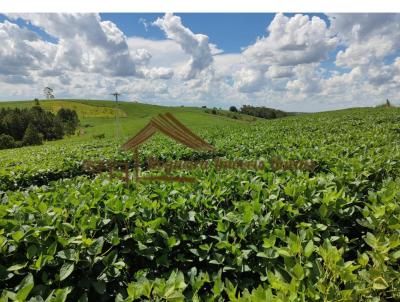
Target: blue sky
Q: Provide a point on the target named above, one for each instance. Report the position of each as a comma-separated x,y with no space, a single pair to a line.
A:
231,32
299,62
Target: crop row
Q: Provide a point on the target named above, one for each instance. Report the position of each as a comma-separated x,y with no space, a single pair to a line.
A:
243,235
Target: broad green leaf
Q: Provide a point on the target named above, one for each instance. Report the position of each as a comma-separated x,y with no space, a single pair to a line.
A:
298,271
96,246
60,295
363,259
69,254
17,236
396,255
66,270
17,267
379,283
371,240
308,250
24,288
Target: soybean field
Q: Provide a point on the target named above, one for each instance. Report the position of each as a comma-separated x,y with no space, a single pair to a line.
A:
332,234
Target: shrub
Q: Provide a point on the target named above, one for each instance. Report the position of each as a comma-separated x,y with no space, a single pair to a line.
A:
233,109
6,141
99,136
263,112
32,136
69,120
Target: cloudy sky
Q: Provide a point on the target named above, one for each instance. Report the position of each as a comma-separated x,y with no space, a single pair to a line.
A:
297,62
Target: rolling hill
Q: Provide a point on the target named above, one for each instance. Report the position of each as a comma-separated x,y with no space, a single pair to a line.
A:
105,117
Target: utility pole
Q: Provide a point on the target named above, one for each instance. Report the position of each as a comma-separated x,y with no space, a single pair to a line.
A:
117,125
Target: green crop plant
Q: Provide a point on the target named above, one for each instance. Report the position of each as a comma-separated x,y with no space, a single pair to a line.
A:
331,234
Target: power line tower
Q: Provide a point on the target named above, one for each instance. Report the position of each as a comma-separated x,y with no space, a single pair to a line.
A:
117,124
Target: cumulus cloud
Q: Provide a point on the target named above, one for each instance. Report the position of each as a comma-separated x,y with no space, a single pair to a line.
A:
291,67
249,80
290,42
279,72
368,40
369,37
164,53
195,45
20,51
142,56
306,81
158,73
86,43
358,27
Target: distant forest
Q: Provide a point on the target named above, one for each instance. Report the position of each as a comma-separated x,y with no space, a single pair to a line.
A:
25,127
263,112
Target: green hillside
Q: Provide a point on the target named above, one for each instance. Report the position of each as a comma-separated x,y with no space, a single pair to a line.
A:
99,117
68,233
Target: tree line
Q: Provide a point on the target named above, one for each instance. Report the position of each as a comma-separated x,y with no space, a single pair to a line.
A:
261,112
25,127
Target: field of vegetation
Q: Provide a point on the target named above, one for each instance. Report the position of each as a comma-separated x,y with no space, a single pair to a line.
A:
235,235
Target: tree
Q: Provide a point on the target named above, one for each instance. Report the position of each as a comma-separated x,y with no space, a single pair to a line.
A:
32,136
36,102
388,103
48,93
262,112
233,109
6,141
69,119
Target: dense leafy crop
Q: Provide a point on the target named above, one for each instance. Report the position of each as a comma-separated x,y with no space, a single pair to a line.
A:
330,235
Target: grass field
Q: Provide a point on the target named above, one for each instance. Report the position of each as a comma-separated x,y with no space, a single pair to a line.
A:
332,234
101,116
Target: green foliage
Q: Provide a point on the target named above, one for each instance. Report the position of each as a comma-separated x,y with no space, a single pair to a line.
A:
6,141
16,122
29,126
263,112
239,235
233,109
69,119
32,136
99,136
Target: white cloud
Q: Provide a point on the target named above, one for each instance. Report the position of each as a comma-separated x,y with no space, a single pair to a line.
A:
164,53
249,80
20,50
158,73
195,45
287,68
290,42
142,56
280,72
293,41
85,43
369,39
306,81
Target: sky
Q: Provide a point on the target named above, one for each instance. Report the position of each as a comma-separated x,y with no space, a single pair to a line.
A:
294,62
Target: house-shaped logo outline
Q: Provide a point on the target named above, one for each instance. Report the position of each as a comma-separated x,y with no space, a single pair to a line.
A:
168,125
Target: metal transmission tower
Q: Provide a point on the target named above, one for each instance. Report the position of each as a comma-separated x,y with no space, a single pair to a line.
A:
117,124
